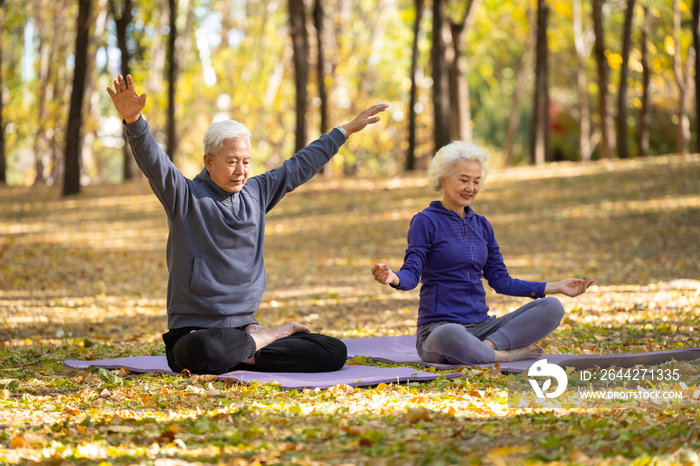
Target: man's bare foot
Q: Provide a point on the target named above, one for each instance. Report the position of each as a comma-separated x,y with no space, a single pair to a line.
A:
263,336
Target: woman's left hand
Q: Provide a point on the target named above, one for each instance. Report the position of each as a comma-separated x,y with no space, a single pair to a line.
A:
571,287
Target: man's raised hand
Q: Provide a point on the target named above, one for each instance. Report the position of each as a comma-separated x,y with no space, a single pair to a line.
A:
127,102
365,118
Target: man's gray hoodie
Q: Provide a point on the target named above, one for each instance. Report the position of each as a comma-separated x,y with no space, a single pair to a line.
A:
215,246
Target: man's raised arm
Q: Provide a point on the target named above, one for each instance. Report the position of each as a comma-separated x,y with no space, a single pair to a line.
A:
167,182
300,168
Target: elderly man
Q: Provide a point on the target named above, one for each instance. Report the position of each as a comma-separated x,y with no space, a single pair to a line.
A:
215,246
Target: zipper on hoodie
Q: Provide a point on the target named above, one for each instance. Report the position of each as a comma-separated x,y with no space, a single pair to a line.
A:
471,252
466,238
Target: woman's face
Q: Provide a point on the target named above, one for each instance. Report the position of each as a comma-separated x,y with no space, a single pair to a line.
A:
462,186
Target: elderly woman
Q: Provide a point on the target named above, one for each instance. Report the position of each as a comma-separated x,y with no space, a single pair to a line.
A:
451,248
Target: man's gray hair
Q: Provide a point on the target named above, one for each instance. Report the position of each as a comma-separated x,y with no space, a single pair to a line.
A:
444,162
220,132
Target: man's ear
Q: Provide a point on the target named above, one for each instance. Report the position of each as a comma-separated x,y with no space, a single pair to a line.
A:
208,160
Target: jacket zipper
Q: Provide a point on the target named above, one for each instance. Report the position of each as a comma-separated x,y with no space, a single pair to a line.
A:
471,252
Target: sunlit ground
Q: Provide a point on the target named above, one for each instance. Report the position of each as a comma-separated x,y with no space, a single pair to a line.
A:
86,278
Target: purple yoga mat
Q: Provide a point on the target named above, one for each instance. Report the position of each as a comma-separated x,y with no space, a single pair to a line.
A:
355,376
402,350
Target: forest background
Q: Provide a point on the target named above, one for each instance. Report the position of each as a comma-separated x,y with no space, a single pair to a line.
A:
292,70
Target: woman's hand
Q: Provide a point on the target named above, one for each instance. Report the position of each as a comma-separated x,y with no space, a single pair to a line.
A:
365,118
125,99
570,287
384,275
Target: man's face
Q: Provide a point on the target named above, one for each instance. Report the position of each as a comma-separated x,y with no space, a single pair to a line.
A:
230,167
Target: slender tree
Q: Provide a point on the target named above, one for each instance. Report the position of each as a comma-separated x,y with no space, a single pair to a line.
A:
71,184
300,46
157,53
607,128
583,39
3,165
184,36
441,89
682,81
643,136
460,112
49,36
172,79
696,43
523,70
91,107
122,19
61,86
46,51
622,151
540,126
413,100
321,74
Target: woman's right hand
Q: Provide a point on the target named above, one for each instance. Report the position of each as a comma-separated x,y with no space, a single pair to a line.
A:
383,274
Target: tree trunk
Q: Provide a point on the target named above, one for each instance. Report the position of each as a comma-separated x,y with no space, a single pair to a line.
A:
415,55
171,144
696,42
682,81
644,115
42,152
3,164
460,112
300,46
61,87
583,51
684,105
71,184
321,75
122,21
607,144
45,59
460,124
540,125
91,106
514,118
622,95
184,36
157,53
441,96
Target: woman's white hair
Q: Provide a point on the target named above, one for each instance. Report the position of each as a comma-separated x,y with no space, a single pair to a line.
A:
444,162
221,131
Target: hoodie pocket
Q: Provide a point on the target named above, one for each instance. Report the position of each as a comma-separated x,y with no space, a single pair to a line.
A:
196,279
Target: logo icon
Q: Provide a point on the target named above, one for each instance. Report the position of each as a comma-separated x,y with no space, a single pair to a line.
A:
542,369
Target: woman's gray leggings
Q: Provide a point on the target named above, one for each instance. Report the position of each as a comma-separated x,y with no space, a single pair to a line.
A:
446,342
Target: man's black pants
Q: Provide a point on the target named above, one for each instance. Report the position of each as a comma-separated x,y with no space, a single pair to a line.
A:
221,350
